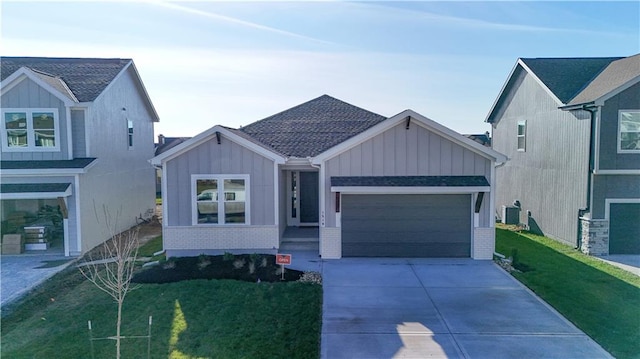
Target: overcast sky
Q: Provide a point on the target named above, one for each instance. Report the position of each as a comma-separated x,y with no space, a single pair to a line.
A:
232,63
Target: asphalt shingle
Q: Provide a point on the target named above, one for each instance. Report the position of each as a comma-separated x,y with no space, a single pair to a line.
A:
566,77
56,164
312,127
85,77
33,187
616,74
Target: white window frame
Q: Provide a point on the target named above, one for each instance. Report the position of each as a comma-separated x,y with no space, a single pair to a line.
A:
220,178
619,138
130,132
31,145
522,123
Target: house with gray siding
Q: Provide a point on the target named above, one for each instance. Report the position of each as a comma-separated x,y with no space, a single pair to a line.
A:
571,130
350,182
77,134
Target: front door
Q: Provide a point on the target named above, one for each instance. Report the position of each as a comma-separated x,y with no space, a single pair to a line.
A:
303,198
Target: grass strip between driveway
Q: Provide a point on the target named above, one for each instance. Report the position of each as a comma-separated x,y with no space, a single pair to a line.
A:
191,319
600,299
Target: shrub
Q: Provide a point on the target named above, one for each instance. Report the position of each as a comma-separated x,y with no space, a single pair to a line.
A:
311,277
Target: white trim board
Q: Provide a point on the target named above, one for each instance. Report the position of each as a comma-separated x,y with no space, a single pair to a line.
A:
609,201
25,73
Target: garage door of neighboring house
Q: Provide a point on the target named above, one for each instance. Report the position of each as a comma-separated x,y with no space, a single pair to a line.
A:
624,228
386,225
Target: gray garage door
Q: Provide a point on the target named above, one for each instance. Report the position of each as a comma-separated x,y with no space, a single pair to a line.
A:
624,228
406,225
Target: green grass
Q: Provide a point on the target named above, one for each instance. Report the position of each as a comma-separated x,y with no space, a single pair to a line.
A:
600,299
151,247
191,319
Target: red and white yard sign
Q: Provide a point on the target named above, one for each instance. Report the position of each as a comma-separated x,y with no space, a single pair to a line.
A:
283,259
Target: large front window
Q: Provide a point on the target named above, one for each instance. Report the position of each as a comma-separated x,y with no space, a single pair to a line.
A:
30,129
221,199
629,131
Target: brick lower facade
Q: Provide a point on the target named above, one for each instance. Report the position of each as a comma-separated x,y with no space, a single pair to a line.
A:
484,243
595,236
191,238
331,242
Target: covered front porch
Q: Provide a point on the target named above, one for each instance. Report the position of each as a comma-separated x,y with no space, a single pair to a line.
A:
300,210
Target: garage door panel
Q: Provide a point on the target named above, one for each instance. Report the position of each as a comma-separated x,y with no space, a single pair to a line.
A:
399,238
432,250
394,225
406,225
624,228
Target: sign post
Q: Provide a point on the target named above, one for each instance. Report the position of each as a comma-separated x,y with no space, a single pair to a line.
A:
283,260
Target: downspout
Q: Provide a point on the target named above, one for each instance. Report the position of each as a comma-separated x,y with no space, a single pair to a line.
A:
592,142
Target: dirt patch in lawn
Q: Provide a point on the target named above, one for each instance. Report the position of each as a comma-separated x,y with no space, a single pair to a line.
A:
245,267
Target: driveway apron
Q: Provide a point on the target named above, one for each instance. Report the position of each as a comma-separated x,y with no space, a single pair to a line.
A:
439,308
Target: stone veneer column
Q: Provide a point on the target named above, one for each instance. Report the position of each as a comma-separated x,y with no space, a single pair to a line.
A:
595,236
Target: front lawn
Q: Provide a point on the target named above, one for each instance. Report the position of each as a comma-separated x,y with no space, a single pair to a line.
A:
191,319
600,299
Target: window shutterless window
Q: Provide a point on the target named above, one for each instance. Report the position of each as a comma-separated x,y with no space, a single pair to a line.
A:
30,130
130,132
220,199
522,135
629,131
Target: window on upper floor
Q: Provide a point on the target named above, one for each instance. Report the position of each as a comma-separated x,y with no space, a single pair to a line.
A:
629,131
522,135
220,199
130,133
30,129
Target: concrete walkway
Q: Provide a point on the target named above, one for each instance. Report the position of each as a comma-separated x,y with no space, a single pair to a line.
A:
628,262
439,308
19,274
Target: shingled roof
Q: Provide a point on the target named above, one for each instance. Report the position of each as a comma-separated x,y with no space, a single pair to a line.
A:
312,127
566,77
85,77
616,74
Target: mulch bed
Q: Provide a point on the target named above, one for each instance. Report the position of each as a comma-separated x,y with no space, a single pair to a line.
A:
236,267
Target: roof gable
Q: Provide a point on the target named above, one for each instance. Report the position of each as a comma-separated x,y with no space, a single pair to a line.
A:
562,78
86,78
213,134
413,117
312,127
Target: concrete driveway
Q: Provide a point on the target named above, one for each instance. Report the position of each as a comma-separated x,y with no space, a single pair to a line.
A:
439,308
19,274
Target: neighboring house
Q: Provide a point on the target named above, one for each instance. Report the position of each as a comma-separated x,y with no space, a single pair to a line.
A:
76,138
372,186
483,139
164,144
571,130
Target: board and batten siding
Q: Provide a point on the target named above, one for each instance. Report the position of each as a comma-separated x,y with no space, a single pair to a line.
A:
78,133
610,159
549,178
27,94
227,157
401,152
